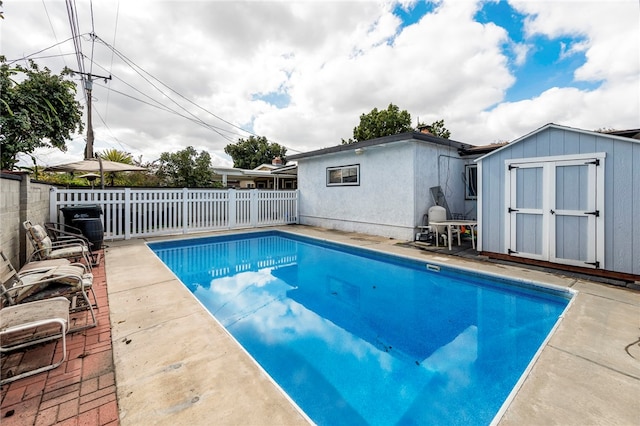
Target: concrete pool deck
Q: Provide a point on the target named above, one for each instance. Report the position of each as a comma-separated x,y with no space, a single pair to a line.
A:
175,364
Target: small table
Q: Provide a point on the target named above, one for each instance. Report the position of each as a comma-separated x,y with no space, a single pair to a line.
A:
456,224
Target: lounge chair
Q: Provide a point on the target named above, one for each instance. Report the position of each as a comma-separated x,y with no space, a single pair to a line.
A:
33,323
61,233
44,248
71,281
39,265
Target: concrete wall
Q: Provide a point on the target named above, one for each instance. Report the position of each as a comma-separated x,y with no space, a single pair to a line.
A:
20,199
393,194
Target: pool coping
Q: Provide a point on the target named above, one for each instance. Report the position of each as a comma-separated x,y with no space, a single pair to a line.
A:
160,381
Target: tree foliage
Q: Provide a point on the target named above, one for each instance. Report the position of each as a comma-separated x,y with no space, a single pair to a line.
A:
254,151
39,110
376,124
116,156
185,169
437,129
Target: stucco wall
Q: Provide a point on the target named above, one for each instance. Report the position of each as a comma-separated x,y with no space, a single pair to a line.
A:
20,199
393,193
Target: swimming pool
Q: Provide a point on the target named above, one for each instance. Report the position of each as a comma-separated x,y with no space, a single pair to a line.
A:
358,337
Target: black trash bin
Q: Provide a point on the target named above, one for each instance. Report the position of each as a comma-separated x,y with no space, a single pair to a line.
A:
87,219
80,212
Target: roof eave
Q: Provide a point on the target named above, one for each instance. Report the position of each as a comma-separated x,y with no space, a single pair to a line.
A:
400,137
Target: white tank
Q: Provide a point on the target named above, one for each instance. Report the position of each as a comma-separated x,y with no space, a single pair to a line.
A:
437,214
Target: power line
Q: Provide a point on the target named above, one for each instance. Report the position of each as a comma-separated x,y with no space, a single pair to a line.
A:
30,56
115,30
51,25
163,107
138,69
93,40
77,42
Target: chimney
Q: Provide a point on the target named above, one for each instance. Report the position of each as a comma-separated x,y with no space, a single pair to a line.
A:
277,161
425,129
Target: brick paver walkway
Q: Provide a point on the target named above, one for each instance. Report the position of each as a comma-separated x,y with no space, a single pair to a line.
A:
81,391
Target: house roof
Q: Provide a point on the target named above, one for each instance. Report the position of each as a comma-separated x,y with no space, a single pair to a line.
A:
244,174
629,133
557,126
291,169
483,149
417,136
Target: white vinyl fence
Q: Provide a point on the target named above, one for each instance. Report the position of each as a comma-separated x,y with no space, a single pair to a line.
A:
130,213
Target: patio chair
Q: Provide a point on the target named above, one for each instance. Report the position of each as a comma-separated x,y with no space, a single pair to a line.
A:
61,233
71,281
47,265
33,323
44,248
438,214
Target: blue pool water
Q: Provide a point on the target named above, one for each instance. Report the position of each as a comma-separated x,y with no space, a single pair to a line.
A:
357,337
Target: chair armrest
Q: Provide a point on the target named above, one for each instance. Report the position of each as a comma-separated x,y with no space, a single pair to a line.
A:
61,232
37,253
62,228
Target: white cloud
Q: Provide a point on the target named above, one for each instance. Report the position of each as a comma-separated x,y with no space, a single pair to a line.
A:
335,61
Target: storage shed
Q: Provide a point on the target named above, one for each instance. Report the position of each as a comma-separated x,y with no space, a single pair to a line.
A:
564,196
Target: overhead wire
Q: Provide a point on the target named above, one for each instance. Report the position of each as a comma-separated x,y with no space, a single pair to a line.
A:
93,32
115,31
140,71
76,37
55,36
31,55
160,106
156,103
77,42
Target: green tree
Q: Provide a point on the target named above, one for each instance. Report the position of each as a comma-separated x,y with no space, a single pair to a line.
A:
376,124
437,129
38,111
254,151
185,169
115,156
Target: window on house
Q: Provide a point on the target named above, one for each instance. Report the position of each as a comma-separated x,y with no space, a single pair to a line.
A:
343,175
471,181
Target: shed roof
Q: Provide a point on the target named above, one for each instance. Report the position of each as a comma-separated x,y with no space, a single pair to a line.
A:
557,126
400,137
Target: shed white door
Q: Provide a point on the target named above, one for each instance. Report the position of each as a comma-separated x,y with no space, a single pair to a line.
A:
555,211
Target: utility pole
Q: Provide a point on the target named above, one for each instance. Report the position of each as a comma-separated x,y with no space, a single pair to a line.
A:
88,86
88,149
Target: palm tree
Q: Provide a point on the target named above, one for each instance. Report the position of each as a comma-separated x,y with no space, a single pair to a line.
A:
118,157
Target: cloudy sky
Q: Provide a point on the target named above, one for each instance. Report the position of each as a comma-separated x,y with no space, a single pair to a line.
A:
205,73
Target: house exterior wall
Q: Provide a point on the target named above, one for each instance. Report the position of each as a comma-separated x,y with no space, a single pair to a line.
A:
393,194
621,190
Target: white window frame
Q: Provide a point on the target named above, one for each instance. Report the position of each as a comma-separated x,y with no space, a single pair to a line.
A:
342,181
467,181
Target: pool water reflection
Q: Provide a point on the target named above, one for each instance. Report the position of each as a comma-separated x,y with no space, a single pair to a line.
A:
355,337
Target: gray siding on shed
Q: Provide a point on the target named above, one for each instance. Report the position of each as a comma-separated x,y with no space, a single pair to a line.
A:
622,188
